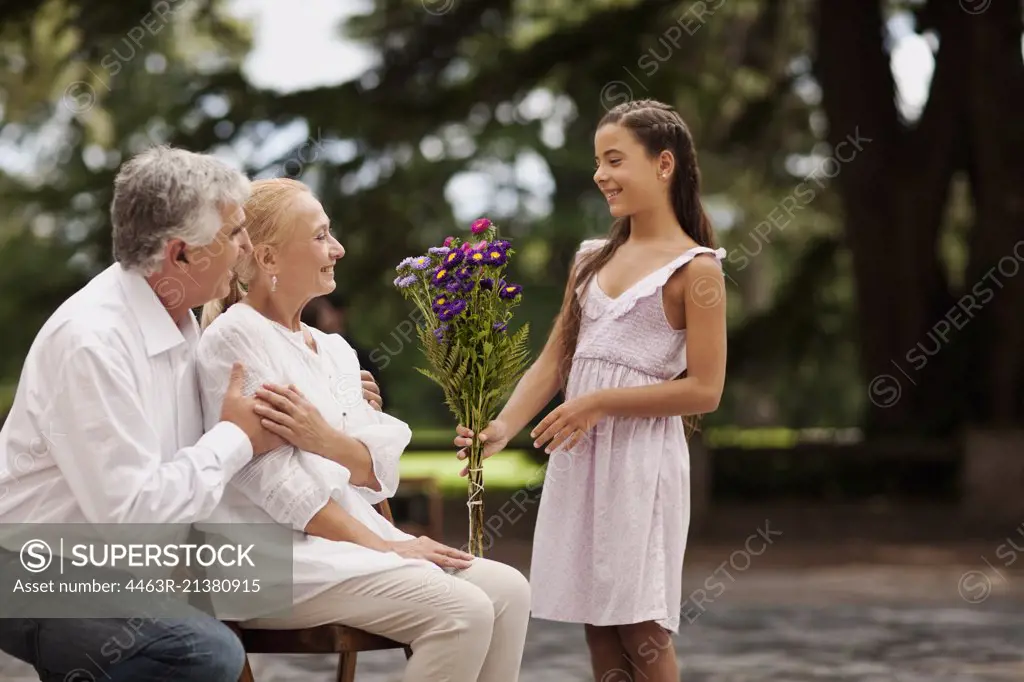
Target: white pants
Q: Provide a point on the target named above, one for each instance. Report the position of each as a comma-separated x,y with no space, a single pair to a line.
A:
467,627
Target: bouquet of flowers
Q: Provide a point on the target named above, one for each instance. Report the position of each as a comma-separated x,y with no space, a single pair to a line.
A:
465,307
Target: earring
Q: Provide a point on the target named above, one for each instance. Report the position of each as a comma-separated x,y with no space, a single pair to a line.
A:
273,283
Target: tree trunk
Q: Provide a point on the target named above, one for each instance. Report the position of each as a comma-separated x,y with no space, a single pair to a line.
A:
994,100
918,339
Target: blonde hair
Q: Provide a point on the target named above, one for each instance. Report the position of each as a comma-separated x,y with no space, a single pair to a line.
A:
266,224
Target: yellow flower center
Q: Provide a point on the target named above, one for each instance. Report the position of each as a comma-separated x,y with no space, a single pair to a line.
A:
478,256
441,274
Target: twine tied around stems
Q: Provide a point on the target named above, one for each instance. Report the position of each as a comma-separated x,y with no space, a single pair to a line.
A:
476,490
475,503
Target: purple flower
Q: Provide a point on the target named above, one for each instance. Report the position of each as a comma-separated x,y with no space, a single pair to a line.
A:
480,226
500,327
454,286
510,291
495,256
476,257
487,283
440,332
421,262
453,309
502,244
440,276
405,281
439,303
438,250
453,258
468,285
406,263
465,272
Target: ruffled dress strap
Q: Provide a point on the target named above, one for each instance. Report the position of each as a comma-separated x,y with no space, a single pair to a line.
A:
586,246
656,280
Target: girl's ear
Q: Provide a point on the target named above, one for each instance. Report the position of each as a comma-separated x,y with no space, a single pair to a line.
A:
666,164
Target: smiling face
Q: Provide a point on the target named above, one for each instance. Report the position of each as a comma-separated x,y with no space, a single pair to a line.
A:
305,262
626,175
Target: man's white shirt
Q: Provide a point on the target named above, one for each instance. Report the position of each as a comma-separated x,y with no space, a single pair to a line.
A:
107,425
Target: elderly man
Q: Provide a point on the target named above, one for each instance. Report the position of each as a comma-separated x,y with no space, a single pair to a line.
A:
107,425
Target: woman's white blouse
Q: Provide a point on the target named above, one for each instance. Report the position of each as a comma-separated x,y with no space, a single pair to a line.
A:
289,485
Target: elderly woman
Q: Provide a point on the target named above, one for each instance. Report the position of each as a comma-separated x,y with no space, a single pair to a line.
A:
350,565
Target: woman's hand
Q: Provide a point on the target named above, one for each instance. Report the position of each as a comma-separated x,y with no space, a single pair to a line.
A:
287,413
568,423
425,548
495,437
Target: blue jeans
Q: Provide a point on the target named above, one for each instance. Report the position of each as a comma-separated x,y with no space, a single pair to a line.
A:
125,650
189,646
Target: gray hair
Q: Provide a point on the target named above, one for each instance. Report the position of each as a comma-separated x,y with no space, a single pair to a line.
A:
165,193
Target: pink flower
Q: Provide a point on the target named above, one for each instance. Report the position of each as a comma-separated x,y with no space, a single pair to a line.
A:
466,247
481,246
480,226
448,241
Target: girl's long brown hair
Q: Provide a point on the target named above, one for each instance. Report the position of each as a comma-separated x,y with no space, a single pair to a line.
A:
657,127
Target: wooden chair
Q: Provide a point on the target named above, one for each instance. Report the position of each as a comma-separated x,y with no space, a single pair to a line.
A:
325,639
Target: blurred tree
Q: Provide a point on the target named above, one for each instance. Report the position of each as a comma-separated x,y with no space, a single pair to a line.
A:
956,350
85,87
510,91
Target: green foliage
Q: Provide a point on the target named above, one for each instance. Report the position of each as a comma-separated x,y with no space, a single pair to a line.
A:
487,85
83,88
483,88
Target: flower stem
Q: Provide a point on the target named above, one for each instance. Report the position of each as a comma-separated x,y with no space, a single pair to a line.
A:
476,483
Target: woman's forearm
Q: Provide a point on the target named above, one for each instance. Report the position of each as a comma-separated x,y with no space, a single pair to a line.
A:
535,390
679,397
332,522
354,456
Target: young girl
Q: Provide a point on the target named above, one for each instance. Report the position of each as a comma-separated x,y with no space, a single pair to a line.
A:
638,345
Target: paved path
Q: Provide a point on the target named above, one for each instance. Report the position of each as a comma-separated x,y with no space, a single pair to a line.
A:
755,644
928,617
773,644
